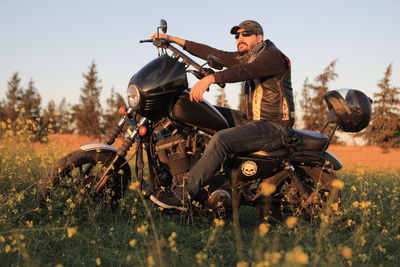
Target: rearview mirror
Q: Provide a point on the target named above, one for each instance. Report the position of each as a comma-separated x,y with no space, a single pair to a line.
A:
163,25
214,62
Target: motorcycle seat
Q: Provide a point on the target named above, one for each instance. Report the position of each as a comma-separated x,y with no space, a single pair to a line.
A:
312,141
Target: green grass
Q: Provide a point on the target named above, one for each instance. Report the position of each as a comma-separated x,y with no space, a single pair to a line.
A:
365,230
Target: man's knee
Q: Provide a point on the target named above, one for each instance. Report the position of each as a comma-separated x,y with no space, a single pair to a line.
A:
221,139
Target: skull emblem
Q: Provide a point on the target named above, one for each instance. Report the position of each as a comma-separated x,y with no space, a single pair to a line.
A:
249,168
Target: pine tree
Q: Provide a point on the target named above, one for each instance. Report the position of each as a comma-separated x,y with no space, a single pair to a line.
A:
51,118
66,118
312,104
221,98
87,114
30,102
384,128
111,115
29,107
3,116
13,97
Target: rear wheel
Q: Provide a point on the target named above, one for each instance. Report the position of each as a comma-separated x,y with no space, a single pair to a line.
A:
72,180
289,200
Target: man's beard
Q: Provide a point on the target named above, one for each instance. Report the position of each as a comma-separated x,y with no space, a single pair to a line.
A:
241,53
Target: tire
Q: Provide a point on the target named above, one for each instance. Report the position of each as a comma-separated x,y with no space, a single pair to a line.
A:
287,201
64,184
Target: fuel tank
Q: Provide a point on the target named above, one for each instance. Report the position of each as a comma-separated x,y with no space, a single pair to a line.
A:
202,115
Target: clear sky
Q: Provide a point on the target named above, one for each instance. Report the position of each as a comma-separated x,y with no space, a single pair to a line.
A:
54,42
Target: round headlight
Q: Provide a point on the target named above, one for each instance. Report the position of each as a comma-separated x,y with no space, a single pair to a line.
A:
133,96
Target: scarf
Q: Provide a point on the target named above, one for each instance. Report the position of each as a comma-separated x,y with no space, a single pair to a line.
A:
252,54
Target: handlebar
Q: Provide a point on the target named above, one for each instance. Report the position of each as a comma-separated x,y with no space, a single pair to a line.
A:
146,41
166,43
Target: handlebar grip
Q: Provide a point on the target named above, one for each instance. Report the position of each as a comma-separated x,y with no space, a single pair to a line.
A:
146,41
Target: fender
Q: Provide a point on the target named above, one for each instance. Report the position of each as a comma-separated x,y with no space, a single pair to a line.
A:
95,146
336,163
101,146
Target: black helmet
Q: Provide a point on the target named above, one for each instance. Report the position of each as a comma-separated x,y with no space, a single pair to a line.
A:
351,107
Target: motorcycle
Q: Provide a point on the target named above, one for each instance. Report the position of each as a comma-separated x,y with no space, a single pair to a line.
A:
296,178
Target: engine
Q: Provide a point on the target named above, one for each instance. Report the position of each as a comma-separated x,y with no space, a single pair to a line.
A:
178,147
173,152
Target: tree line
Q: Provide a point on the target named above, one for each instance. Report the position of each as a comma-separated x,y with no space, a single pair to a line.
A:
89,118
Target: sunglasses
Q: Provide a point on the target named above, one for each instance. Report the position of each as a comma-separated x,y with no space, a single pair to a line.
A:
244,34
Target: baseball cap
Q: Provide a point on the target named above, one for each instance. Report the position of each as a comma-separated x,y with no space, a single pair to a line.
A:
248,25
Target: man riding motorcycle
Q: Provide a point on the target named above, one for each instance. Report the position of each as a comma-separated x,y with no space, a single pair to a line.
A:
269,104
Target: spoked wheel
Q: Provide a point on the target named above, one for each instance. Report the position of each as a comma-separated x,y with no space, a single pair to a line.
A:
71,182
289,200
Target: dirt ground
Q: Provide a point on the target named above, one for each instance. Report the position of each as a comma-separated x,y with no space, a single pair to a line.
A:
367,156
353,155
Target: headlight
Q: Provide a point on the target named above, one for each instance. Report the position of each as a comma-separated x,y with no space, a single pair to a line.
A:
133,96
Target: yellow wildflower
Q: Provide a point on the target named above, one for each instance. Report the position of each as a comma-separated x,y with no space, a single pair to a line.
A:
381,249
263,229
362,240
150,261
347,252
71,231
134,185
142,229
172,236
98,261
267,189
365,204
291,222
242,264
219,222
200,257
339,184
273,257
132,243
296,255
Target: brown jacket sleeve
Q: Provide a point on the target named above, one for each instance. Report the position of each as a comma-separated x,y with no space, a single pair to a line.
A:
202,51
270,63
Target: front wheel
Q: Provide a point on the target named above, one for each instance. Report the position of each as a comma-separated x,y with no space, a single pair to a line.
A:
288,200
72,180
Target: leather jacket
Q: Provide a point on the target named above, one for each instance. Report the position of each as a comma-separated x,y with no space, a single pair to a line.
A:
269,93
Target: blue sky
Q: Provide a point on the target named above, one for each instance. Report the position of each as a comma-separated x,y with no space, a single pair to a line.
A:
54,42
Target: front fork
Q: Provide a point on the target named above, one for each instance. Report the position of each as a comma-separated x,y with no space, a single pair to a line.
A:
126,145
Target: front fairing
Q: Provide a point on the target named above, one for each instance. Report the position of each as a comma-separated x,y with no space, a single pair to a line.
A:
158,82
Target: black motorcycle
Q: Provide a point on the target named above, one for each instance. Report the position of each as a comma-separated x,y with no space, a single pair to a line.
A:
173,132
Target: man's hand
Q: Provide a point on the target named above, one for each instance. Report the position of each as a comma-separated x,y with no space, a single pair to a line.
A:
176,40
160,35
200,87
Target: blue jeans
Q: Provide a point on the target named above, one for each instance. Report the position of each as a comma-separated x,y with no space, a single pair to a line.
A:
251,136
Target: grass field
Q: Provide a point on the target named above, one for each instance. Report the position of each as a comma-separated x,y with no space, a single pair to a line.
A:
364,231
